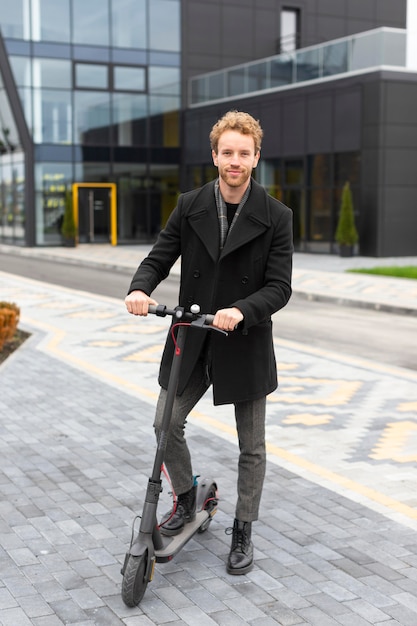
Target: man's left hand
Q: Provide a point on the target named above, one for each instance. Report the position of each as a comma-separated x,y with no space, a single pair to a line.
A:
227,319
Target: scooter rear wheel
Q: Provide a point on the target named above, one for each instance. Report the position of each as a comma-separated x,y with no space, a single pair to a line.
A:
210,506
134,580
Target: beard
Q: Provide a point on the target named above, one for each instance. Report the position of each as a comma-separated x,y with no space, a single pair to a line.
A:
235,180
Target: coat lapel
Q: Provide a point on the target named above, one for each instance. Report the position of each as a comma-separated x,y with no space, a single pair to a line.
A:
202,217
252,222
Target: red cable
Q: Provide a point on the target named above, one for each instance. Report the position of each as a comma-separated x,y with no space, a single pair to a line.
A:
174,339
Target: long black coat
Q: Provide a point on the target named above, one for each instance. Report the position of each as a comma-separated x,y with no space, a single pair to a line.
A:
252,273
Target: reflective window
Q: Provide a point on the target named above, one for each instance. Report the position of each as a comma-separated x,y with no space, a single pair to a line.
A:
320,173
346,168
15,19
163,104
129,78
90,19
92,117
289,30
91,76
128,23
52,116
294,172
164,80
270,175
129,119
51,20
51,73
21,67
165,186
52,185
320,215
164,25
165,127
12,197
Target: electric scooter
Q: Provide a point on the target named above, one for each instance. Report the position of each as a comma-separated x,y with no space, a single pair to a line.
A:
149,545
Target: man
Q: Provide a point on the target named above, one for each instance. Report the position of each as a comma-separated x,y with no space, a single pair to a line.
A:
235,243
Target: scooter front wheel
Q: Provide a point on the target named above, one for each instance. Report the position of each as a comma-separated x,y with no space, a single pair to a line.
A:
134,579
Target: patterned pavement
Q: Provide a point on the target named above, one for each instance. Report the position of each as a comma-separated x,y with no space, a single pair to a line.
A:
336,542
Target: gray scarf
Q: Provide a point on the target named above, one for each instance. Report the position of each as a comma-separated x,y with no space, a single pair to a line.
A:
222,212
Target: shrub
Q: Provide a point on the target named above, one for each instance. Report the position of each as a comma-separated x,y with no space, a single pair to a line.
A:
346,233
9,319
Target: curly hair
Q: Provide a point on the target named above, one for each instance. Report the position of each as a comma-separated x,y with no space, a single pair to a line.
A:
240,121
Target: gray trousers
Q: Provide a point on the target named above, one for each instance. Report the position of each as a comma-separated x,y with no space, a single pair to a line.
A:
250,424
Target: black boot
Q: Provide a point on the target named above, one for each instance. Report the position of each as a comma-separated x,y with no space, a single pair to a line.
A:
240,559
184,513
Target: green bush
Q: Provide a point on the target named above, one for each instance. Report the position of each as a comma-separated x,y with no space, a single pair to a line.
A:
346,233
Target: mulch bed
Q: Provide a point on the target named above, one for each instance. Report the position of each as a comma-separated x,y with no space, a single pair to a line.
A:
8,348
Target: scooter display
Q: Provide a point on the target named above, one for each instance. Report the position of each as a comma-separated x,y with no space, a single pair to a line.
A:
149,546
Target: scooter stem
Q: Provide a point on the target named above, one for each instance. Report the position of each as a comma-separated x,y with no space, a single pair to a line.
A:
169,403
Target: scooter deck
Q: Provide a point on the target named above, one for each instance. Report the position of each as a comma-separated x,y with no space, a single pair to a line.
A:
173,544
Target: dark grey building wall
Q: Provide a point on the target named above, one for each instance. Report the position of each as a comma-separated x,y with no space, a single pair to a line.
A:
221,33
397,217
389,165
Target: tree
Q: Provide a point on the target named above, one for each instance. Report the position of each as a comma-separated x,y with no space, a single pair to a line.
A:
346,233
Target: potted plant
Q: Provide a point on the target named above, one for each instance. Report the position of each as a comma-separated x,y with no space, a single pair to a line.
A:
346,233
68,228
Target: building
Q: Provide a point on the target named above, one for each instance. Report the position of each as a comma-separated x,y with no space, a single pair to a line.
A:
124,92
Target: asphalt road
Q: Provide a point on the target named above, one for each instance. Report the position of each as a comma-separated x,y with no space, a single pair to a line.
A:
365,333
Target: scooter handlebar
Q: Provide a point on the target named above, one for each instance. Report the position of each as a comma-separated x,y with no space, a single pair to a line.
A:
162,311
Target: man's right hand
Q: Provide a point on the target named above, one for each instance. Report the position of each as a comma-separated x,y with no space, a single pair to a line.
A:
137,302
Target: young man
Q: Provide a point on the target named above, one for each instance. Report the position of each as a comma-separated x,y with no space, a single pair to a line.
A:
235,243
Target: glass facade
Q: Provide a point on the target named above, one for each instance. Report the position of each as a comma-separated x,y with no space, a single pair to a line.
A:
99,87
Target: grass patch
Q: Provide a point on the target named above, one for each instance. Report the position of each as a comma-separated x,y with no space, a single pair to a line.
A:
408,271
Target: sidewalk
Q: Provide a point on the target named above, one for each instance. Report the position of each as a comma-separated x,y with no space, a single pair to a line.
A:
336,543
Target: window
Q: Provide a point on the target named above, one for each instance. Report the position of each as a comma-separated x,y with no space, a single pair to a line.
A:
52,116
129,78
92,117
90,22
51,73
91,76
128,24
164,22
51,20
290,30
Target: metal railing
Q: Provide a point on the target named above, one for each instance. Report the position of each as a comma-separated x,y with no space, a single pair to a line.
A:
374,48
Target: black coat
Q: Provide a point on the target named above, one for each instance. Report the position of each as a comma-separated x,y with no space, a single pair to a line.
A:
252,273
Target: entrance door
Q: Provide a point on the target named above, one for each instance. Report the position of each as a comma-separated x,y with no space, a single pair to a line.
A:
94,219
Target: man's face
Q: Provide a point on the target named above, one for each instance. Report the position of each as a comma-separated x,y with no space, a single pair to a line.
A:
235,158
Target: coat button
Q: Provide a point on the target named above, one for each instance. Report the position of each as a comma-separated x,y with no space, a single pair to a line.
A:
245,280
196,274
